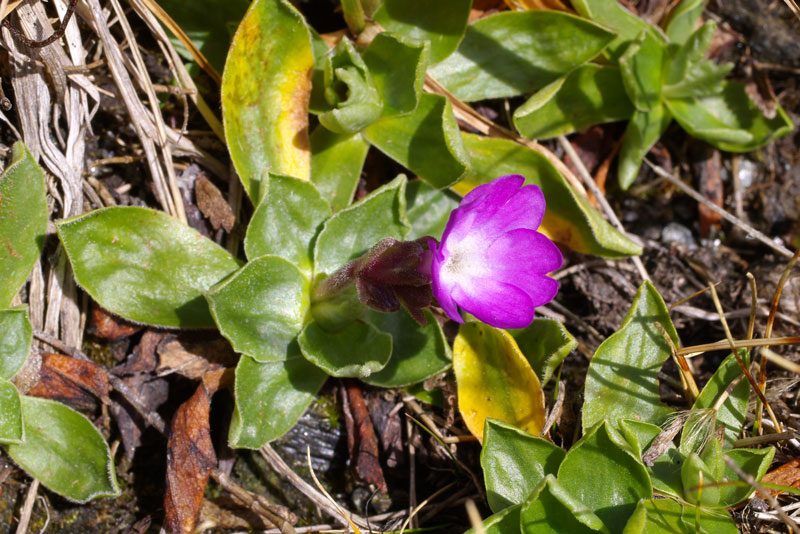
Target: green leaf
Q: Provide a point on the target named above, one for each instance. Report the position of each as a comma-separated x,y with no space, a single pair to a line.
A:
588,95
11,428
622,379
665,473
398,68
755,462
551,509
350,92
644,130
681,58
699,482
495,380
426,141
611,14
23,221
261,308
428,209
569,218
729,121
418,352
545,343
210,25
514,463
733,411
64,451
358,350
517,52
681,21
442,22
286,222
16,335
601,473
144,265
270,398
353,231
666,516
641,66
336,163
265,90
704,78
505,522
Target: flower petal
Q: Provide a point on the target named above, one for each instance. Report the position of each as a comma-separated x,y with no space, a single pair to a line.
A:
496,303
524,250
480,205
524,210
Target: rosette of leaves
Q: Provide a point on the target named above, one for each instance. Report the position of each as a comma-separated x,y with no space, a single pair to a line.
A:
656,75
601,484
49,440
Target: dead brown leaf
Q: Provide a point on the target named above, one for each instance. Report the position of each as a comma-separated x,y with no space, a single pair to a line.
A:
190,459
213,205
787,474
193,355
107,326
77,383
361,440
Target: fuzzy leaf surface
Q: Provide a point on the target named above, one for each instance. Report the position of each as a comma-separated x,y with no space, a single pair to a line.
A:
514,463
357,350
286,221
517,52
261,308
426,141
622,380
11,429
270,398
16,335
23,221
144,265
545,343
65,451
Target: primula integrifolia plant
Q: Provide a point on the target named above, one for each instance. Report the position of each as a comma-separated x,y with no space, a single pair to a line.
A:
491,262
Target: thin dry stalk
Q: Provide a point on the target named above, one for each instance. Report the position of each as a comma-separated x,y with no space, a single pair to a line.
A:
742,366
27,507
318,498
751,324
474,517
696,350
766,495
607,209
690,297
713,207
776,300
690,389
257,504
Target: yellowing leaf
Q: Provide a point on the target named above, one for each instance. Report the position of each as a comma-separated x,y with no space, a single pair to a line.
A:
495,380
537,4
266,87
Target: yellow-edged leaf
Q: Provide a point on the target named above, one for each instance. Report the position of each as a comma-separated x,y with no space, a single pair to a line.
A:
495,380
266,87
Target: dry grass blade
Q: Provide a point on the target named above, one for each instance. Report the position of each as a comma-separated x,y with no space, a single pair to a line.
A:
690,389
695,350
742,366
178,32
474,517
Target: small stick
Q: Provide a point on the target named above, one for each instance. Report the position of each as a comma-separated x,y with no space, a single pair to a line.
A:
256,503
27,507
609,211
751,325
713,207
767,496
690,297
761,440
474,517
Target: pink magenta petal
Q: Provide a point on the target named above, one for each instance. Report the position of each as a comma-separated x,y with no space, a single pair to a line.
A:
523,210
524,250
496,303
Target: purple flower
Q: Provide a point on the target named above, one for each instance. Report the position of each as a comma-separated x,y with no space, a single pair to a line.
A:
491,261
